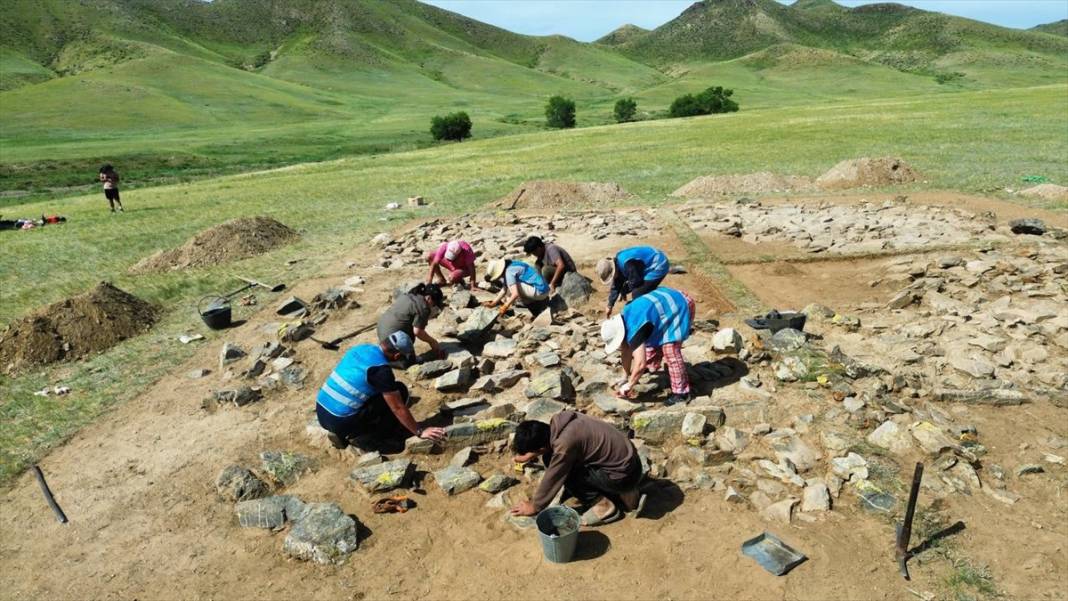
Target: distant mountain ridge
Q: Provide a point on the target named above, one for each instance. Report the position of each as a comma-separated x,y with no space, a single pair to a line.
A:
892,34
1056,28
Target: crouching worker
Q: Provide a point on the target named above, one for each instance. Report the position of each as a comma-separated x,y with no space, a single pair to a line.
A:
552,261
650,330
634,271
522,283
458,259
410,313
594,462
362,400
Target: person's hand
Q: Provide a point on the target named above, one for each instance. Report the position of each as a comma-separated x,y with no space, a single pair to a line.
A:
489,303
524,508
502,310
552,290
607,312
474,286
433,434
626,391
440,353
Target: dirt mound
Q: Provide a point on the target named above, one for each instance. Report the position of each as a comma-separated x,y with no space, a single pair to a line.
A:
552,194
867,172
230,241
709,186
1047,192
70,329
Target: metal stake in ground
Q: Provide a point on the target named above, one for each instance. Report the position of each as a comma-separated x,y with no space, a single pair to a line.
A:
904,529
48,496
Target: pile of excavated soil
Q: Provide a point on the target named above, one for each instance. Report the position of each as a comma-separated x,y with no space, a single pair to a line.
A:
1047,192
552,194
867,172
74,328
230,241
710,186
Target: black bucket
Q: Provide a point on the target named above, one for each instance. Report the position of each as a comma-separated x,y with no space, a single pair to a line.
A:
216,313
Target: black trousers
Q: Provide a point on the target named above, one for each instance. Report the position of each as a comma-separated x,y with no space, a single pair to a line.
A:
374,419
587,483
645,288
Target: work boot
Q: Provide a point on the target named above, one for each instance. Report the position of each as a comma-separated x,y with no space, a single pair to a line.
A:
336,441
678,399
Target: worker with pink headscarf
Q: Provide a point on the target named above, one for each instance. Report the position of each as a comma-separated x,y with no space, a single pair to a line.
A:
457,258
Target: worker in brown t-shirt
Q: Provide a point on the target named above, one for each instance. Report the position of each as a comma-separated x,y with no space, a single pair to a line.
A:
591,459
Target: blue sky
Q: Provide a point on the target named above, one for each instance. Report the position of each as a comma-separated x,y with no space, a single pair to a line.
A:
588,20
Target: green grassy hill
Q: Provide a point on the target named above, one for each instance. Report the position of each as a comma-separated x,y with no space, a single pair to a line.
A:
1056,28
176,89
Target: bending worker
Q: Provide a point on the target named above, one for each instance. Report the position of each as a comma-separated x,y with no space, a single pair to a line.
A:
593,460
650,329
522,283
458,258
634,271
553,262
362,400
410,313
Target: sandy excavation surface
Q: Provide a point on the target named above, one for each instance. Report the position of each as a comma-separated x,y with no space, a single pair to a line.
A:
146,522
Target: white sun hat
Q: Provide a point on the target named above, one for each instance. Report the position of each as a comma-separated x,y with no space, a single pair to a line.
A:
612,333
494,270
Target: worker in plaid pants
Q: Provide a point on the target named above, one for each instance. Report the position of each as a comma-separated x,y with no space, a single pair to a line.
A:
650,332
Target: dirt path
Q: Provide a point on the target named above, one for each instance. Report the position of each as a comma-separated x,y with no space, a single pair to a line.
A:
146,523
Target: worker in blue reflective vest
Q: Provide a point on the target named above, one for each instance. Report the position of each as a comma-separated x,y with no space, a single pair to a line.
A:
522,283
362,402
650,331
635,271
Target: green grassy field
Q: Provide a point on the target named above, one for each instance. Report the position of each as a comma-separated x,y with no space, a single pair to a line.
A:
971,140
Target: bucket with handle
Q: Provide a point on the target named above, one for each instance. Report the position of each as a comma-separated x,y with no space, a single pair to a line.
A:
215,311
558,529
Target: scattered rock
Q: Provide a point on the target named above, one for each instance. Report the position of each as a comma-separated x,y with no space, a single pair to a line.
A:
462,457
501,348
430,369
727,340
383,476
269,512
325,535
454,381
285,467
497,483
553,384
658,425
229,353
240,396
1029,468
454,480
891,437
781,512
575,289
693,425
816,497
236,483
787,340
1033,227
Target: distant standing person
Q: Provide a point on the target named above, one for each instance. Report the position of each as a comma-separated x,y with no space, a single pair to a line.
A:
635,271
110,178
552,261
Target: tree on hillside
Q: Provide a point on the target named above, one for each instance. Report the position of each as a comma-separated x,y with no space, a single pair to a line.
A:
454,126
560,112
625,109
711,101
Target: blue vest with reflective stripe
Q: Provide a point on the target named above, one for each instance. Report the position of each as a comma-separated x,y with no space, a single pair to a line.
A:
531,276
654,259
666,308
347,388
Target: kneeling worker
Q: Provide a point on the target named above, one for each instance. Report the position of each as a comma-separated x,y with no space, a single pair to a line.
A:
362,399
634,271
522,283
651,329
591,459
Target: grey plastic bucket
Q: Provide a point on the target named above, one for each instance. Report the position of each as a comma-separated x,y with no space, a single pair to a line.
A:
558,528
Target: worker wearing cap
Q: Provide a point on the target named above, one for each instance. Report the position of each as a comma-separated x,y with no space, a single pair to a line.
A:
634,271
457,257
522,283
362,399
650,330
